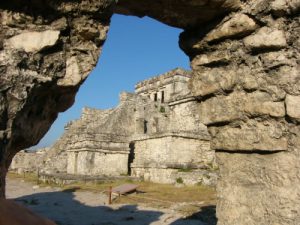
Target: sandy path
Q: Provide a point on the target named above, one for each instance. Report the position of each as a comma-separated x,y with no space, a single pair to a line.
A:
87,208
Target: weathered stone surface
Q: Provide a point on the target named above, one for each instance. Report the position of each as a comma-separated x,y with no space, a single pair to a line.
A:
36,46
288,78
253,190
172,152
162,131
28,161
208,81
182,13
266,38
247,115
293,106
210,59
174,176
253,136
33,41
73,75
222,109
282,7
237,26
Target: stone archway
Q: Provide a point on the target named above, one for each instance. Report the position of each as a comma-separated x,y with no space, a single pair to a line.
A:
245,60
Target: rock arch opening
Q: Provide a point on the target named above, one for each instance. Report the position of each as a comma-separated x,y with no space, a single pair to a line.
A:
135,50
164,126
244,56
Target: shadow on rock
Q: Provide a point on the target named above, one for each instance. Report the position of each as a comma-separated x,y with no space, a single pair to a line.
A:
207,216
63,208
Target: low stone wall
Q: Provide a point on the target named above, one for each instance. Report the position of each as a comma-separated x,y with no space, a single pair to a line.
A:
27,162
65,179
172,150
176,176
174,159
87,163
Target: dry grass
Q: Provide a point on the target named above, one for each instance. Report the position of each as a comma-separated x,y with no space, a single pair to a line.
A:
155,195
29,177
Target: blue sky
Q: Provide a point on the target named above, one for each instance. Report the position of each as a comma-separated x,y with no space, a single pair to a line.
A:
136,49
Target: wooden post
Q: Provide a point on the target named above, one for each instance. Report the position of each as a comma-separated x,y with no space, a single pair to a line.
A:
38,177
109,195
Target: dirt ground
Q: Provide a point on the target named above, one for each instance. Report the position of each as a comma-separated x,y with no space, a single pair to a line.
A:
72,207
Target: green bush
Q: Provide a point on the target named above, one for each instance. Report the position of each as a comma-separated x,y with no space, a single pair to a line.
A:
179,180
162,109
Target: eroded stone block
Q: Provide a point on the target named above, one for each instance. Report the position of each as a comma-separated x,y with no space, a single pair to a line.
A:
210,59
293,106
251,137
33,41
282,7
258,189
213,80
266,38
235,106
237,26
73,76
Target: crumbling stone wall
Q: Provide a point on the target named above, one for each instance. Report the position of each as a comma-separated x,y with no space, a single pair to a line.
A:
245,58
28,161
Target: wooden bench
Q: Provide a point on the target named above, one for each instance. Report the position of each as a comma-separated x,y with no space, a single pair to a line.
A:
121,190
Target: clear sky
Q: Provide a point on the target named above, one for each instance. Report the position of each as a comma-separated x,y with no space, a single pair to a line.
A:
136,49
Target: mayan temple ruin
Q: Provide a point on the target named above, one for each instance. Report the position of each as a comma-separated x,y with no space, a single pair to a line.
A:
153,134
244,92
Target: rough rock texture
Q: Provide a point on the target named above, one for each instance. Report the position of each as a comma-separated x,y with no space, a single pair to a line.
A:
99,139
179,13
47,49
246,78
267,174
29,161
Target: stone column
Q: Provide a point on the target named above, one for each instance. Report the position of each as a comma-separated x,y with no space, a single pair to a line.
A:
246,75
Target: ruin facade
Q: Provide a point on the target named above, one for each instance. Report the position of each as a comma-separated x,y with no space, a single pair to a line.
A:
245,74
153,134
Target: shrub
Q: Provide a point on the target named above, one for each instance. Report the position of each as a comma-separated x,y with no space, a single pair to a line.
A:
162,109
179,180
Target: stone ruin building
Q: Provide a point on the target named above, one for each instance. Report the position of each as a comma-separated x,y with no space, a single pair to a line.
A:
153,134
244,57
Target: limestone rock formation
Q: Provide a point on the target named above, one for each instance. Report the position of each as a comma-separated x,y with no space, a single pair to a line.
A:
246,79
180,13
259,179
44,56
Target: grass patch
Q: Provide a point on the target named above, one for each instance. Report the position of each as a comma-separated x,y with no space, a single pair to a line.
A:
186,170
29,177
179,180
151,194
